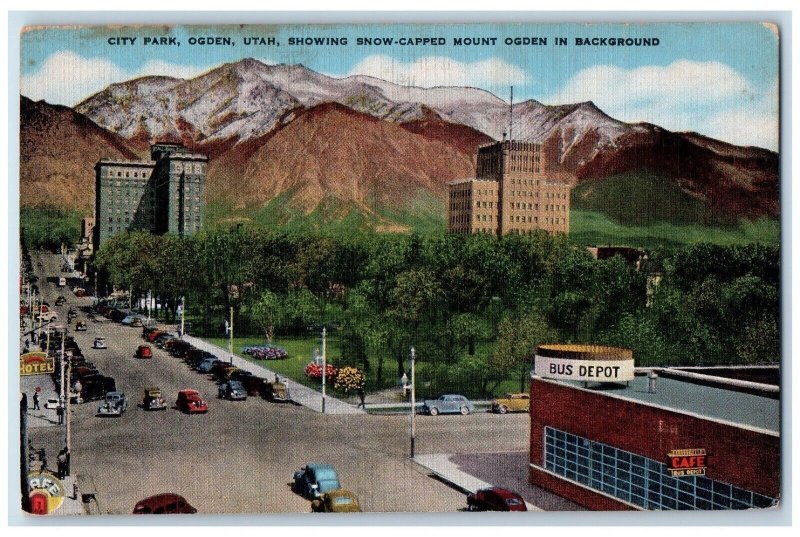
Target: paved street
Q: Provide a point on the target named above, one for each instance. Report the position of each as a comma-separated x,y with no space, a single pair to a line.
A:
240,456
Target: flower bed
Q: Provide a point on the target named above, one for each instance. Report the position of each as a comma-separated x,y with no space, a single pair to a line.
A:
314,371
265,352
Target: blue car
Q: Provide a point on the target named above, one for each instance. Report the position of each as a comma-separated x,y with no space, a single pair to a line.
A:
314,480
206,365
448,404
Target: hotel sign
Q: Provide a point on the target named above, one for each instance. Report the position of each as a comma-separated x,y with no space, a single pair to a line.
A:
36,363
587,363
687,462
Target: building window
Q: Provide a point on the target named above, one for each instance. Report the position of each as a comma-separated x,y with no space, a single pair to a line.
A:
639,480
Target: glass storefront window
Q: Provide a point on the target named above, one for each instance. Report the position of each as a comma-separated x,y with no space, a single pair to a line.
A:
639,480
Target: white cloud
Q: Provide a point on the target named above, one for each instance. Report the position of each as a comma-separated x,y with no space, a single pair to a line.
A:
68,78
706,97
432,71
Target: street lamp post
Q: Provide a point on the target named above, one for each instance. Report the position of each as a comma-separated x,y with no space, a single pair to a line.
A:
230,339
183,314
413,402
324,367
413,387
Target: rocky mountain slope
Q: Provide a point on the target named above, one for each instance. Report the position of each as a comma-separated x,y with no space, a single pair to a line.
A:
58,150
273,129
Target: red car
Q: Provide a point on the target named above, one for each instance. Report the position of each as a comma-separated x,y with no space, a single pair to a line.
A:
164,504
189,401
151,336
495,499
144,351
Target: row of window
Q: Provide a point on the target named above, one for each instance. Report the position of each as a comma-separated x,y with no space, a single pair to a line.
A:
639,480
136,174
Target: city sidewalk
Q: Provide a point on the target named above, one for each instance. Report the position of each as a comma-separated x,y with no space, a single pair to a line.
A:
440,465
301,394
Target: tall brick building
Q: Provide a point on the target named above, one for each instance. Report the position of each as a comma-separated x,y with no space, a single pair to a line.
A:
162,195
518,188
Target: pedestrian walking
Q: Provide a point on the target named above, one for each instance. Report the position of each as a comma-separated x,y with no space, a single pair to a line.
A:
60,413
361,397
36,401
61,462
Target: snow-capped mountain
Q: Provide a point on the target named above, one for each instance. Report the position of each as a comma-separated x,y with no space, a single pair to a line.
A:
265,127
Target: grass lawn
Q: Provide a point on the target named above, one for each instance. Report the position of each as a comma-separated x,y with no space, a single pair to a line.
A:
300,352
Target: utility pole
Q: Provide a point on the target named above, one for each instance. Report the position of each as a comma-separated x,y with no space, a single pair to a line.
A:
413,403
183,314
67,417
63,337
324,367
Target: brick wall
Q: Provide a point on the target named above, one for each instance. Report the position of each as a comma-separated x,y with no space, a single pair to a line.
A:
738,456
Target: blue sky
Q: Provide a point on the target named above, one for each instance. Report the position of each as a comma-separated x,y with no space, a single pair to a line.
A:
717,79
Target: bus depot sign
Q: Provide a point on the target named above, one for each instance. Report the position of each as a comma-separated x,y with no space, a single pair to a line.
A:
36,363
588,363
687,462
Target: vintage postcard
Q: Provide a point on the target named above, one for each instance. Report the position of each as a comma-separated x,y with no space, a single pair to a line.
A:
399,268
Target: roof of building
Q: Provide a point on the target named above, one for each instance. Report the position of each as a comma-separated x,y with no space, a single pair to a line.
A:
148,163
743,409
469,180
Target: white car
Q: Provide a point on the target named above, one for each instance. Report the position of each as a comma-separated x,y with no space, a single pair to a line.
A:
100,343
51,404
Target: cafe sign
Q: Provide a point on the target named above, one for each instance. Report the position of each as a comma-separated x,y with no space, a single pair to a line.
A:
36,363
687,462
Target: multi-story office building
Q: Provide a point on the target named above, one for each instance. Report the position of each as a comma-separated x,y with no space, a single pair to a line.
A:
162,195
518,188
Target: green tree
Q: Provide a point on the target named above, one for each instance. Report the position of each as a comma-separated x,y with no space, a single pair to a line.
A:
268,312
518,336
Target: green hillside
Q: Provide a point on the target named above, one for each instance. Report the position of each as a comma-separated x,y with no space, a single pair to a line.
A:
645,198
635,209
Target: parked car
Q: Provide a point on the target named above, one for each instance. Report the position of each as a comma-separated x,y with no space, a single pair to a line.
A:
189,401
163,504
495,499
144,351
153,399
336,501
511,402
277,391
80,326
95,387
161,340
448,404
206,365
79,292
100,343
115,404
51,404
152,335
252,384
62,281
232,390
314,480
46,316
128,320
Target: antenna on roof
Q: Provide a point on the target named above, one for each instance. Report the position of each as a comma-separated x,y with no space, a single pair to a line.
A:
511,118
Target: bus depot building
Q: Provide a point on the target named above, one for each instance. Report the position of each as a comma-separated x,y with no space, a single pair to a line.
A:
611,437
